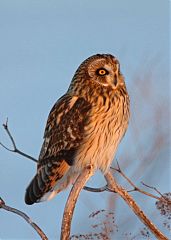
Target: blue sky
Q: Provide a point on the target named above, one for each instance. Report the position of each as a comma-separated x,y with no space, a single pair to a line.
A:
41,45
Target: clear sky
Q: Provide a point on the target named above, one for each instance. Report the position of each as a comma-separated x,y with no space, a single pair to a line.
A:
42,42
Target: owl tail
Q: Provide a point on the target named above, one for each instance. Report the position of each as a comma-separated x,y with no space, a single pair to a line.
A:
41,188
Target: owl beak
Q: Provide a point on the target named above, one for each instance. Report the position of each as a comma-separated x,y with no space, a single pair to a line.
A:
115,80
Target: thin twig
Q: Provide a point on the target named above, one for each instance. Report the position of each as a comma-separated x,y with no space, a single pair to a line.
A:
97,190
132,184
25,217
112,184
135,188
156,190
72,199
15,149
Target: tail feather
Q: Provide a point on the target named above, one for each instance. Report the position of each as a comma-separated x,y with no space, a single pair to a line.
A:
44,181
33,191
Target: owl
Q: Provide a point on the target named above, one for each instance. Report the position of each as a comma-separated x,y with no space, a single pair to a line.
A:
85,126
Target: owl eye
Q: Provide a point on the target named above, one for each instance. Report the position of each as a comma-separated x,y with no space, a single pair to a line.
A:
102,72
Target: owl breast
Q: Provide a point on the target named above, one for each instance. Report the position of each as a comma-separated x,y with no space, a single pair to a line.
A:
107,125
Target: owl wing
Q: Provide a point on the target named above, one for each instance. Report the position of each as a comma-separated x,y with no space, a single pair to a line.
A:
63,135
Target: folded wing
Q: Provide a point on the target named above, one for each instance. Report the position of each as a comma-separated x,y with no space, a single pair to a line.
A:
63,136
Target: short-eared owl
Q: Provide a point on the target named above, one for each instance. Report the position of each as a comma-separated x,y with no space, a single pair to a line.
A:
84,127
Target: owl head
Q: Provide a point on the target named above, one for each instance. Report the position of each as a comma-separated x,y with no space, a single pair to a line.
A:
100,69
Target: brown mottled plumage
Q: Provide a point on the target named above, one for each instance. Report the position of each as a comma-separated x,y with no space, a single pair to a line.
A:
84,126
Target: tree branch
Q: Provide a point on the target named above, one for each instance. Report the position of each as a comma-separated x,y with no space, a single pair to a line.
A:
25,217
156,190
112,184
97,190
15,149
132,184
135,188
72,199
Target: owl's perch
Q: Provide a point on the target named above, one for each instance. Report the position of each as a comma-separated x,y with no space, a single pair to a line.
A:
113,185
72,199
135,188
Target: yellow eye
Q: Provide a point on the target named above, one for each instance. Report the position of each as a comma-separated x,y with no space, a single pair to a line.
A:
102,72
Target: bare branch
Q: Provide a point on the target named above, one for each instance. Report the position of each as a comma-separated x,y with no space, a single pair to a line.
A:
97,190
15,149
112,184
156,190
72,199
137,189
25,217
